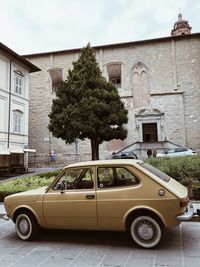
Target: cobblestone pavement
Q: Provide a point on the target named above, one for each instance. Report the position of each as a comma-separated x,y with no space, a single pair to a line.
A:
179,247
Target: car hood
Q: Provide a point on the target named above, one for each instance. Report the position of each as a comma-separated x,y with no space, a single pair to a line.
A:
30,195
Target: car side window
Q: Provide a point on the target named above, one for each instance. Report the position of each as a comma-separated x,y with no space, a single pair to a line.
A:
75,179
181,149
115,177
170,151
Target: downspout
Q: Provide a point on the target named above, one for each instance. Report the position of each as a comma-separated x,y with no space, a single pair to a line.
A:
9,103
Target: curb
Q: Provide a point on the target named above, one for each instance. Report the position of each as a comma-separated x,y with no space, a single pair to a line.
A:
2,210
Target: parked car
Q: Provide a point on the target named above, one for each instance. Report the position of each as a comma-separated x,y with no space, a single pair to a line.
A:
117,195
124,155
177,152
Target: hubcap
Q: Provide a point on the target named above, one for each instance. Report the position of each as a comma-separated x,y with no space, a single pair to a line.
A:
145,231
23,226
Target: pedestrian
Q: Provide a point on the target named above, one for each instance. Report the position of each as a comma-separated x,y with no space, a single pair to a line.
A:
154,152
52,156
149,153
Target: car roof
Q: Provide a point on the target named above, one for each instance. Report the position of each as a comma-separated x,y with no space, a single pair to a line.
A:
105,162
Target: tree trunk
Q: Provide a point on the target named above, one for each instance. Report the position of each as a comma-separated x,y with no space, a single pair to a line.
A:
95,149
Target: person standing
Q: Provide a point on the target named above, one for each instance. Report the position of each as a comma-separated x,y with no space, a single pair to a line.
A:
149,153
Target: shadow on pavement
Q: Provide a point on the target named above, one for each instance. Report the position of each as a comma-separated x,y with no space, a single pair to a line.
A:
170,240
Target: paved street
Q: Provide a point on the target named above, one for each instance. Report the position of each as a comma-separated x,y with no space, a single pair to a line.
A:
180,247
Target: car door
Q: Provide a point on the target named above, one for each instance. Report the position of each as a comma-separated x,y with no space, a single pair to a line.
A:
115,184
71,201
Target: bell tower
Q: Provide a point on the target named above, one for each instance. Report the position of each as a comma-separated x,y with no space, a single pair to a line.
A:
181,27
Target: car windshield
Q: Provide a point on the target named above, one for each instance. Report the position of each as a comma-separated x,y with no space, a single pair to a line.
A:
155,171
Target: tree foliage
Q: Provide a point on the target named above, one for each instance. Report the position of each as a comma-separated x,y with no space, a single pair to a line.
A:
87,106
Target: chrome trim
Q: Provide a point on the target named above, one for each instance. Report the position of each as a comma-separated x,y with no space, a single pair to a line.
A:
6,217
187,215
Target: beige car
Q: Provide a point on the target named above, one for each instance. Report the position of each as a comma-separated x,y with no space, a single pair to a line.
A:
118,195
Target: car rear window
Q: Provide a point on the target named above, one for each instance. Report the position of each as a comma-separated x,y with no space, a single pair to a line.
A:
156,171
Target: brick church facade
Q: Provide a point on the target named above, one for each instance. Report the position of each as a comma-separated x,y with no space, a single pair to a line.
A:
157,79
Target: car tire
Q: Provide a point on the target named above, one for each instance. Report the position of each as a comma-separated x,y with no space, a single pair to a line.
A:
26,226
146,231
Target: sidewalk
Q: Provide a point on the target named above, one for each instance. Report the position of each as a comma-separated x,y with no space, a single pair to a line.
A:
2,210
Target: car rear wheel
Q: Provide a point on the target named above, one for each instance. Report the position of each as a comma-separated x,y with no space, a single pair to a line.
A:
146,231
26,226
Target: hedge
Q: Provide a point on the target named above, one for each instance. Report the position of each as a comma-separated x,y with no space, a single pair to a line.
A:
180,168
184,169
26,183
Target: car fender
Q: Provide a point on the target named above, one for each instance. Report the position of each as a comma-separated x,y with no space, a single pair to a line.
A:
27,208
143,208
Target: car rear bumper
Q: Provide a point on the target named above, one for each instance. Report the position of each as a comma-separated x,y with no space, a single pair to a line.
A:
187,215
6,217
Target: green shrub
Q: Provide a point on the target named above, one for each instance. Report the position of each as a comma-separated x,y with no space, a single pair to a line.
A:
196,190
49,174
184,169
26,183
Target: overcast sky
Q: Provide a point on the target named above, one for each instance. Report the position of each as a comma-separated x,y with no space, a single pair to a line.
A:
33,26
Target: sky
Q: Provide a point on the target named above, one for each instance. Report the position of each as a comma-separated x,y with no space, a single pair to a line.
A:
35,26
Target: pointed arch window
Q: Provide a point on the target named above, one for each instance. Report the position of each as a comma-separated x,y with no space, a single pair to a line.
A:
140,85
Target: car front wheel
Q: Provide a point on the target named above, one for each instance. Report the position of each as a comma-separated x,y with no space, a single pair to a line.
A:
145,231
26,226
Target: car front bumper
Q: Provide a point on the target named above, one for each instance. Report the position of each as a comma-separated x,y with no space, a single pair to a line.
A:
187,215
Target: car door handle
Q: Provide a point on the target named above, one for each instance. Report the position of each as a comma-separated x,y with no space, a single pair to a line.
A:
90,196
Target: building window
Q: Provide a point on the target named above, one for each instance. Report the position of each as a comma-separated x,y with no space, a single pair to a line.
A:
3,74
149,131
56,78
140,86
114,74
17,121
19,83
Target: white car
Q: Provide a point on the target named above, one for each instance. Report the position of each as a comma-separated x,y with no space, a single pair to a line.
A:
177,152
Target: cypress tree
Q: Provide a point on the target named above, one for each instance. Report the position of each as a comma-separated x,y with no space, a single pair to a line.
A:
87,106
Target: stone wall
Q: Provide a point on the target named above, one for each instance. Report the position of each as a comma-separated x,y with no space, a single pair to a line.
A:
173,83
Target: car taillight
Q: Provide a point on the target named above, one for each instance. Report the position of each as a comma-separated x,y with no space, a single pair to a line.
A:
184,203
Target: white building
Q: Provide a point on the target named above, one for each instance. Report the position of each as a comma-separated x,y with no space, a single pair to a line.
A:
14,109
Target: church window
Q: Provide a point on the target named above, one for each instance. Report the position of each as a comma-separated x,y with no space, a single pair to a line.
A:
140,86
114,74
149,131
56,78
